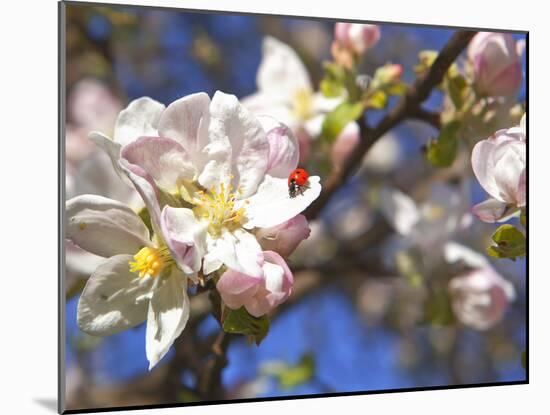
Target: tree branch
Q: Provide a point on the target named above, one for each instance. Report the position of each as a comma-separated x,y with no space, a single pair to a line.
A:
407,107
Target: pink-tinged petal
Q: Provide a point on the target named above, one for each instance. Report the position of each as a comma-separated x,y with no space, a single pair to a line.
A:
272,205
164,159
258,295
111,301
182,118
490,211
140,118
236,288
356,37
495,62
285,287
286,237
147,189
167,316
104,226
483,166
281,73
481,297
284,152
185,237
249,147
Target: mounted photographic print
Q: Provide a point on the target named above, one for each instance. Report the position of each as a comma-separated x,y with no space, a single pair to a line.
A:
262,207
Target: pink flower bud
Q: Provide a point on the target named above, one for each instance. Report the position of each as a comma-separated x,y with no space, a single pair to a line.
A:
356,37
481,297
286,237
284,152
499,165
496,65
259,295
345,144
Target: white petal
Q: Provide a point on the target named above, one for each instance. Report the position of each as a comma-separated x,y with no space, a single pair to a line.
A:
111,148
249,146
140,118
146,188
181,120
167,316
281,72
272,205
399,209
164,159
239,251
455,252
185,236
104,226
273,275
109,302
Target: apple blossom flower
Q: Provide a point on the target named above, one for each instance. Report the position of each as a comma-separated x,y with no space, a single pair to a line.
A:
429,224
499,164
142,279
481,296
285,237
356,37
495,61
214,168
285,92
258,294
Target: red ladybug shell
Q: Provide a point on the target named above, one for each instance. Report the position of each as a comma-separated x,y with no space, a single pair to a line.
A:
299,177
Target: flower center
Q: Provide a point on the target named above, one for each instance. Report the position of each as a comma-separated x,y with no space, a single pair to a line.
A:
219,209
150,261
303,104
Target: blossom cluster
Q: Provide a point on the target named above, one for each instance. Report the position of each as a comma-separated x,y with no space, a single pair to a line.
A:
213,180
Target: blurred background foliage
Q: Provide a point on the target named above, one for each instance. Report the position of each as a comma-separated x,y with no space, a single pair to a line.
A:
371,322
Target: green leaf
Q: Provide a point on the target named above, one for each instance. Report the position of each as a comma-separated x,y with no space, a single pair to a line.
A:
524,359
456,86
76,288
442,152
409,264
377,100
438,310
510,243
241,322
398,89
332,85
337,119
146,218
288,376
523,218
331,88
426,59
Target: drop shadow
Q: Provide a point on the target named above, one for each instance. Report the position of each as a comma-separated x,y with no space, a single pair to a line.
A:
47,403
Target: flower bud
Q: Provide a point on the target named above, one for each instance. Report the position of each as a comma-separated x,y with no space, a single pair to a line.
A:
480,298
499,164
495,61
259,295
284,238
356,37
388,74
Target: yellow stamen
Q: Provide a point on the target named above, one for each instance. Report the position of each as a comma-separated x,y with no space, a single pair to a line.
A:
218,209
303,104
150,261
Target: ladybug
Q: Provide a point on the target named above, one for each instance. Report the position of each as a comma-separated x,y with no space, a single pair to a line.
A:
297,182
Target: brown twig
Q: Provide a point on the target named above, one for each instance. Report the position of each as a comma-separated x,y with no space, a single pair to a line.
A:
407,107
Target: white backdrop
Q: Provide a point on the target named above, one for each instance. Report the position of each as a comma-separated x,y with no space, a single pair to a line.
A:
28,297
